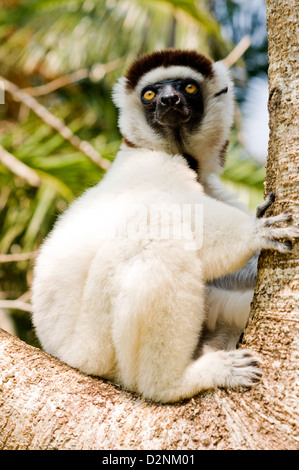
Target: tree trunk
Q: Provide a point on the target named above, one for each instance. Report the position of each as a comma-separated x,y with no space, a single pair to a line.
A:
274,326
45,404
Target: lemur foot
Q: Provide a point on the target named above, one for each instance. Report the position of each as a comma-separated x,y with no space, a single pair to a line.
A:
242,368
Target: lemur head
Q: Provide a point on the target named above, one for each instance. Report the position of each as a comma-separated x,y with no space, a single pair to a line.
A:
179,102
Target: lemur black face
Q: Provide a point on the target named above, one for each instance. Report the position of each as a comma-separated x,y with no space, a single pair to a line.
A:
173,103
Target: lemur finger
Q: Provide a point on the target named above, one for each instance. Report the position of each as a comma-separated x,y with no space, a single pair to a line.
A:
283,217
284,232
261,209
282,247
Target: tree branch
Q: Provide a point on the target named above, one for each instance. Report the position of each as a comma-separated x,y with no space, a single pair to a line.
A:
57,83
237,52
46,404
15,305
97,72
10,258
19,168
56,123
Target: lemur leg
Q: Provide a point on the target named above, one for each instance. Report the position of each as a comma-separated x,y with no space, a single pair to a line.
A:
231,307
156,329
226,317
159,312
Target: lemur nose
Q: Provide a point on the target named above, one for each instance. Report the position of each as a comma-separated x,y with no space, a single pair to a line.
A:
170,98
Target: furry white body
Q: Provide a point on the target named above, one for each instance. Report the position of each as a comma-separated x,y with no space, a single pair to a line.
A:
132,308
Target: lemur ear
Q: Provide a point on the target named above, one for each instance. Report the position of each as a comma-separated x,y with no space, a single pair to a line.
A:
119,93
222,76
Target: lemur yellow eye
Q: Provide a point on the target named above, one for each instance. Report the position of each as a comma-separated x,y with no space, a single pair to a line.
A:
149,95
191,88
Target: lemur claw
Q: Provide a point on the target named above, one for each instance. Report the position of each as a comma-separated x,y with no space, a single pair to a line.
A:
261,209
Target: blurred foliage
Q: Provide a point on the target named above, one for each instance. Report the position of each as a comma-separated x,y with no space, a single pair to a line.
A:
240,18
44,40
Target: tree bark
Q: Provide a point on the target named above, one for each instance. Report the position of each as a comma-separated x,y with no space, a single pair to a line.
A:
44,404
275,308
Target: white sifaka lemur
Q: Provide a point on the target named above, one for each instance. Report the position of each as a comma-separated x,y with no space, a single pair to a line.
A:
134,284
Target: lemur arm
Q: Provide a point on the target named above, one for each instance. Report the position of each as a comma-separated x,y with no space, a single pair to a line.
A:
244,278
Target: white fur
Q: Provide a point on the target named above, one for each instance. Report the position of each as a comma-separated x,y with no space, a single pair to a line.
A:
205,145
230,307
213,187
113,300
160,74
131,310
